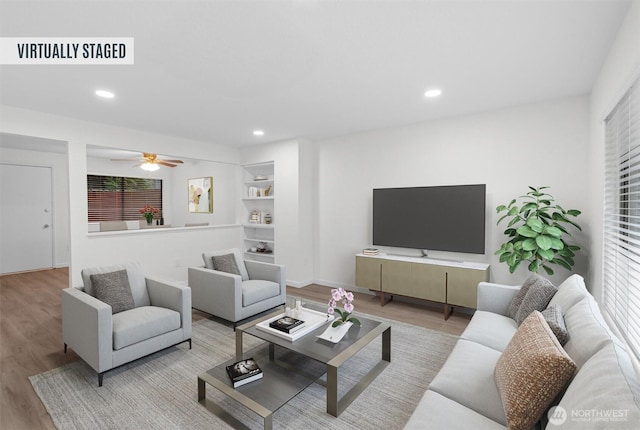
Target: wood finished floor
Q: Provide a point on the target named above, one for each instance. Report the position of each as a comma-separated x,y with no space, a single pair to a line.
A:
31,336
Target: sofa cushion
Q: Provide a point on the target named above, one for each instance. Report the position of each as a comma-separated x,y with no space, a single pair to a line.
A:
137,281
113,289
490,329
536,299
438,412
553,316
254,291
588,332
570,292
534,279
208,262
531,371
142,323
605,393
467,378
225,263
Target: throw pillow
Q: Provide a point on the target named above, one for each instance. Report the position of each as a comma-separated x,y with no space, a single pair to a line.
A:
208,263
537,298
225,263
553,316
137,280
113,289
531,372
512,310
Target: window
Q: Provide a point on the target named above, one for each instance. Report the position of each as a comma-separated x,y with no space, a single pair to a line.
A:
621,271
116,198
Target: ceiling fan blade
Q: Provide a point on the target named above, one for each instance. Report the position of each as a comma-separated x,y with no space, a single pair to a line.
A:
164,163
150,158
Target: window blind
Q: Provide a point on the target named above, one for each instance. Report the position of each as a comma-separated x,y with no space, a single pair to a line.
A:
621,257
118,198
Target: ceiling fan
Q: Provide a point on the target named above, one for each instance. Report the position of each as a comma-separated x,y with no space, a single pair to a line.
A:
150,161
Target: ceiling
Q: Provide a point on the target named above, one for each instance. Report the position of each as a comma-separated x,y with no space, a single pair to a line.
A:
215,71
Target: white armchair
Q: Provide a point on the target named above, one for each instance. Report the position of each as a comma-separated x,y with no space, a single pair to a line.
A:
160,318
255,288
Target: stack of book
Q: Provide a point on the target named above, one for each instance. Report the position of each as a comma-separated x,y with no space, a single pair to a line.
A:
244,371
287,324
370,251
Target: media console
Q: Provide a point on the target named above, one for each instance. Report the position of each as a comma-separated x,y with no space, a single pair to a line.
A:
452,283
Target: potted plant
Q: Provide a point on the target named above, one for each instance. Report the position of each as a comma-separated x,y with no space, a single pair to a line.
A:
537,229
148,213
347,301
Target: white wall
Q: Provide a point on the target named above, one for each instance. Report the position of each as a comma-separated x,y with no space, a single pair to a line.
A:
508,150
226,191
58,164
163,253
294,200
620,69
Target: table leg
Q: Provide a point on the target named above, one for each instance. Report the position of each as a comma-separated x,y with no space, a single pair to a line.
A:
332,390
201,389
335,405
268,422
386,345
238,344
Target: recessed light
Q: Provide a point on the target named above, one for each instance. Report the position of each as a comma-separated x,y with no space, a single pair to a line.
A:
258,133
105,94
435,92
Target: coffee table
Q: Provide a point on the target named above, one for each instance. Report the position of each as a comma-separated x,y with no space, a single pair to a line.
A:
290,367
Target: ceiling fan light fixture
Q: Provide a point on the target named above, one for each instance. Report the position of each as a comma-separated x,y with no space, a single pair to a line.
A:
150,167
151,162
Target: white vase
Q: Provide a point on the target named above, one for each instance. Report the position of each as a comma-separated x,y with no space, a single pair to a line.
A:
335,334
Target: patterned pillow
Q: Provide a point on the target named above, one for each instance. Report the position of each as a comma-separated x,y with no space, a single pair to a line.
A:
225,263
512,310
113,289
536,299
208,263
553,316
137,280
531,372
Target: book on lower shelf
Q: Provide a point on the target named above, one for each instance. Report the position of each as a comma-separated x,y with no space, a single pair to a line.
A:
244,371
287,324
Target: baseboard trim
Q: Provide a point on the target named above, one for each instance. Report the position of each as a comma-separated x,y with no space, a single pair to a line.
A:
299,284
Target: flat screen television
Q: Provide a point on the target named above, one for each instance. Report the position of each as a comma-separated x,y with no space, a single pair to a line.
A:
443,218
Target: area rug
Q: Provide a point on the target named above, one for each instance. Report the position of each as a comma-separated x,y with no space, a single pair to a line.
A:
160,391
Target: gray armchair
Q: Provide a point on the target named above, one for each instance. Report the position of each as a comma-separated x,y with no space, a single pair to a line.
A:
245,290
158,316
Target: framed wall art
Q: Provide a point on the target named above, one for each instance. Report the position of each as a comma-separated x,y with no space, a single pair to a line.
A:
201,195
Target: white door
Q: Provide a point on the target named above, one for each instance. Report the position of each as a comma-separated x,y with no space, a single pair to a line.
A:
26,232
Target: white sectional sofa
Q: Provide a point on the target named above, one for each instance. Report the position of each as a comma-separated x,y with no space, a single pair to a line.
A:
603,394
